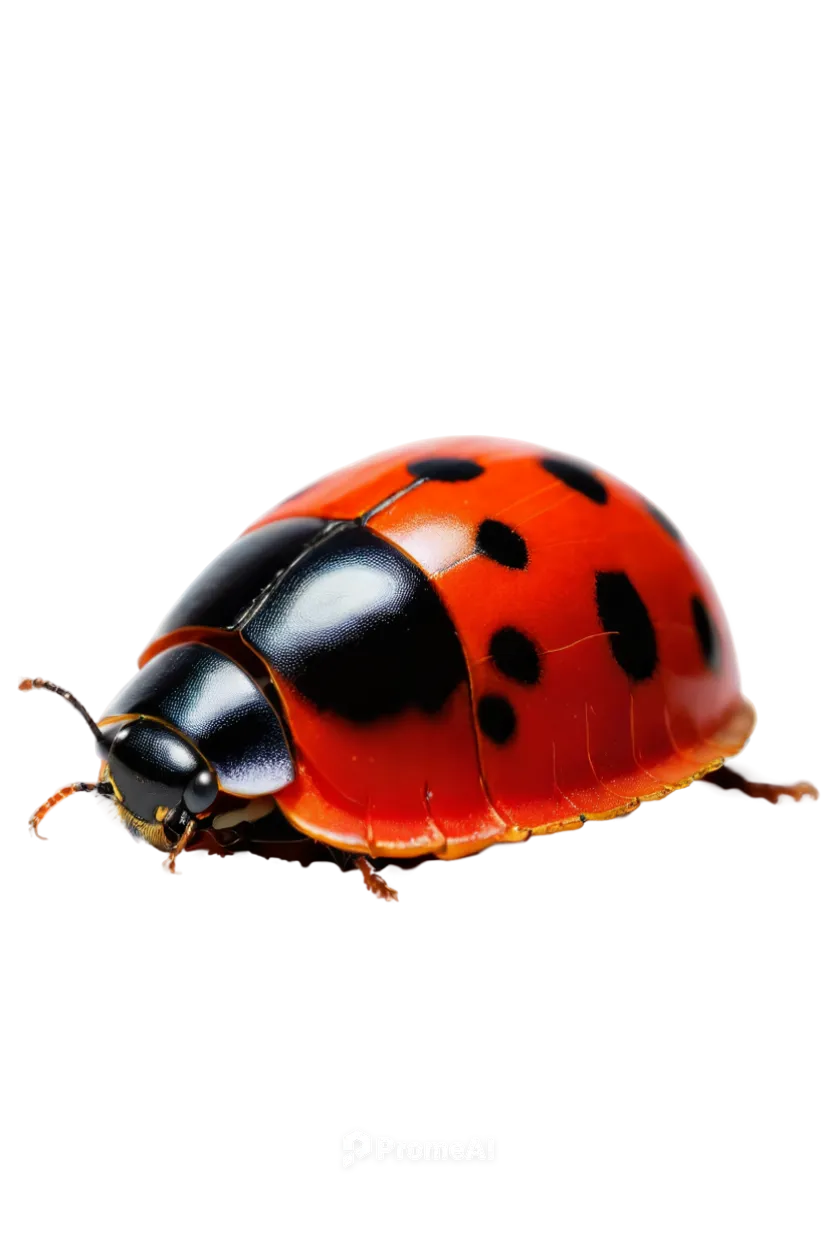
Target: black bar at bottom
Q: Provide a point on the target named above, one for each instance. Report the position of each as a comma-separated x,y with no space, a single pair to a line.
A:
597,1148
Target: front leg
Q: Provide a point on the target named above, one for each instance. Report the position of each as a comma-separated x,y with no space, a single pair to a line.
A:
727,779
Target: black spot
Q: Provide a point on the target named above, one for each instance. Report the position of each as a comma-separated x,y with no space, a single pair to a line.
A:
622,612
664,522
706,632
576,476
359,630
515,655
446,469
496,718
502,544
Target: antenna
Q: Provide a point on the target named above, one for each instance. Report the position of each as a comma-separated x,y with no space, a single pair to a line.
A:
26,685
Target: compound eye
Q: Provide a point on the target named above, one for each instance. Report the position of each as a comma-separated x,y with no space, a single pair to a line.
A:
200,792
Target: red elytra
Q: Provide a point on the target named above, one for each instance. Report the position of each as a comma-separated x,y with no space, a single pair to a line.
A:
600,661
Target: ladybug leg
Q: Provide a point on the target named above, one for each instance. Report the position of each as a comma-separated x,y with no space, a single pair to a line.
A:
727,779
35,821
171,857
375,883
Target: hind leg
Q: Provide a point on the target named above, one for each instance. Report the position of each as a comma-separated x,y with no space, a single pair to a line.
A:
724,778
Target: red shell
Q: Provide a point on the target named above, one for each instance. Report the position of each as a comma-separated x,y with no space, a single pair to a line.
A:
590,740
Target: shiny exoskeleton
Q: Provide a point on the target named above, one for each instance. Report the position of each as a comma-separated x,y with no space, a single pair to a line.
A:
443,648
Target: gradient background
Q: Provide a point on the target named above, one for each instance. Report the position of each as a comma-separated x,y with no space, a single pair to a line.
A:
236,250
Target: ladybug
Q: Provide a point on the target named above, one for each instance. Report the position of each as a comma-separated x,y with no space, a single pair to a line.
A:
449,646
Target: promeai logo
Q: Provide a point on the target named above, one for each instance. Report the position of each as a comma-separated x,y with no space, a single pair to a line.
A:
356,1144
359,1144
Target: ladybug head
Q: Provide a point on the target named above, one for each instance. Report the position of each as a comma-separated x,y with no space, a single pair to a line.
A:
158,781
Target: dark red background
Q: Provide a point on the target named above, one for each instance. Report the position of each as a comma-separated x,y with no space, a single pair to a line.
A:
237,248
